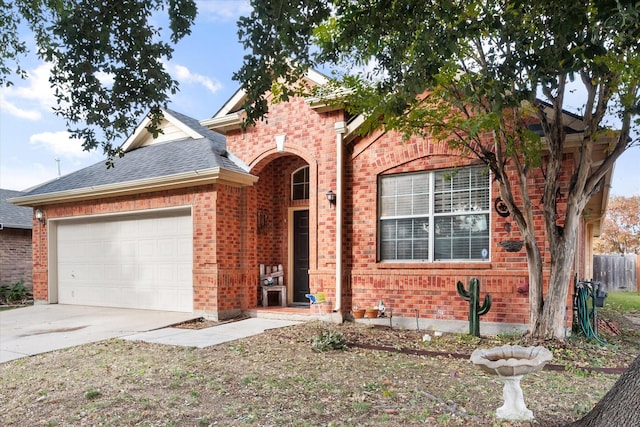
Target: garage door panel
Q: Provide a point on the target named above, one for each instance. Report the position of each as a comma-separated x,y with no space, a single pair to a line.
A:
125,248
167,248
173,225
185,272
79,273
130,262
114,272
147,248
93,250
185,247
88,293
167,273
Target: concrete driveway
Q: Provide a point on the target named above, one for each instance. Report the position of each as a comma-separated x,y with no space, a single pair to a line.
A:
42,328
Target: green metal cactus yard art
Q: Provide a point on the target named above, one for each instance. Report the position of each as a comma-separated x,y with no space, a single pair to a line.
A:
475,309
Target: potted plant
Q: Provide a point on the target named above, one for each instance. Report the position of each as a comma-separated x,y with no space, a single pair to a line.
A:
358,313
372,312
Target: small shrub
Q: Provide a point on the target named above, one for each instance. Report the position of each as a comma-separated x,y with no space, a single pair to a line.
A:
92,394
330,340
14,293
361,407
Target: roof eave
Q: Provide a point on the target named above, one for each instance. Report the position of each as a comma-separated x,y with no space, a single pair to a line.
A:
330,102
224,124
233,104
16,226
215,175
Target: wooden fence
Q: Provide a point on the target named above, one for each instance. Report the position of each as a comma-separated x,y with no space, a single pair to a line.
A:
617,272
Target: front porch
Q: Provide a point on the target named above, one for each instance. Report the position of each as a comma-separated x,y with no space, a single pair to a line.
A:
296,313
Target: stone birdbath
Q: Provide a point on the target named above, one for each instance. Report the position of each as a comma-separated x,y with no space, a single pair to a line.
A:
510,363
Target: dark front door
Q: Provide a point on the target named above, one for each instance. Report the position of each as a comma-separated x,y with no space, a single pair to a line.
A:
300,256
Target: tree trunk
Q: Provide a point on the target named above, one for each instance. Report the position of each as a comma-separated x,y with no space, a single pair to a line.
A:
534,263
552,322
620,406
551,319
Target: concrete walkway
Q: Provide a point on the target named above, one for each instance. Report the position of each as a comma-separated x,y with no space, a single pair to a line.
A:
43,328
207,337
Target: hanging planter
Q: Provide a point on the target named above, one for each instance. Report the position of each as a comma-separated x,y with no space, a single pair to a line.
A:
512,245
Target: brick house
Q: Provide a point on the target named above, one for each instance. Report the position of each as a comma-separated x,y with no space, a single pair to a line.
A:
183,222
15,240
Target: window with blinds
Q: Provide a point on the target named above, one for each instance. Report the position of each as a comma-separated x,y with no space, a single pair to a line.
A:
300,184
434,216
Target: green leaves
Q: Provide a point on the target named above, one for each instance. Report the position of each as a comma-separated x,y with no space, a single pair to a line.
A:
465,68
488,77
11,46
106,59
278,36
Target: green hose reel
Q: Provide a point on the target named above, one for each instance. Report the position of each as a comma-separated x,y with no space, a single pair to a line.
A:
587,297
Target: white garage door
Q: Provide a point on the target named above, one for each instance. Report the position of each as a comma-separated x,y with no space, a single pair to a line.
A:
138,261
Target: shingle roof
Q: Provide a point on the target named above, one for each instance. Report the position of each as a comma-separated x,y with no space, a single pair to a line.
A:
219,141
151,161
12,216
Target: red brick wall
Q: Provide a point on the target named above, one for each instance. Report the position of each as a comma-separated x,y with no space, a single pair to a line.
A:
310,140
423,289
15,256
228,247
428,289
222,237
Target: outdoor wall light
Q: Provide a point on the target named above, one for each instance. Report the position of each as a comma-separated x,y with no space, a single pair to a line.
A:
40,216
331,197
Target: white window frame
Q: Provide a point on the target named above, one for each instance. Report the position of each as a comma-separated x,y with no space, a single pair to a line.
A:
478,222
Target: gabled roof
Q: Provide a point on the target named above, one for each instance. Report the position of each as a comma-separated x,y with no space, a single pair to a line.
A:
12,216
231,115
175,125
194,155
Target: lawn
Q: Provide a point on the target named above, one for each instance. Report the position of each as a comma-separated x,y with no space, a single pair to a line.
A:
624,302
276,379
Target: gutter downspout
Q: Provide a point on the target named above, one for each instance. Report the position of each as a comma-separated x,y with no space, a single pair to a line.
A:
341,129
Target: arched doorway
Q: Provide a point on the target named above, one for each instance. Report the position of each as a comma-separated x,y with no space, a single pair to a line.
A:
283,234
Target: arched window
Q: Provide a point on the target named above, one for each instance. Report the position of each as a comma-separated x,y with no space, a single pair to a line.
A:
300,184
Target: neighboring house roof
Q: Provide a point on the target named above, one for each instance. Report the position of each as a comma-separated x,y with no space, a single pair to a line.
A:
192,155
12,216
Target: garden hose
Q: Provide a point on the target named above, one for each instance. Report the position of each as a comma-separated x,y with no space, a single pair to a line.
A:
584,316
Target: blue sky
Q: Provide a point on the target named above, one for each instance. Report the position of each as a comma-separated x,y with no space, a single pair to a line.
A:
32,137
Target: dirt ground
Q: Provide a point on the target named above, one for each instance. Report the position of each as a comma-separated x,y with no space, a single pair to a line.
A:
276,379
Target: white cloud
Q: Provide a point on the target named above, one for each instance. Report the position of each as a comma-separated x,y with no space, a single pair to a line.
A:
60,144
21,113
223,10
184,75
37,88
31,97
